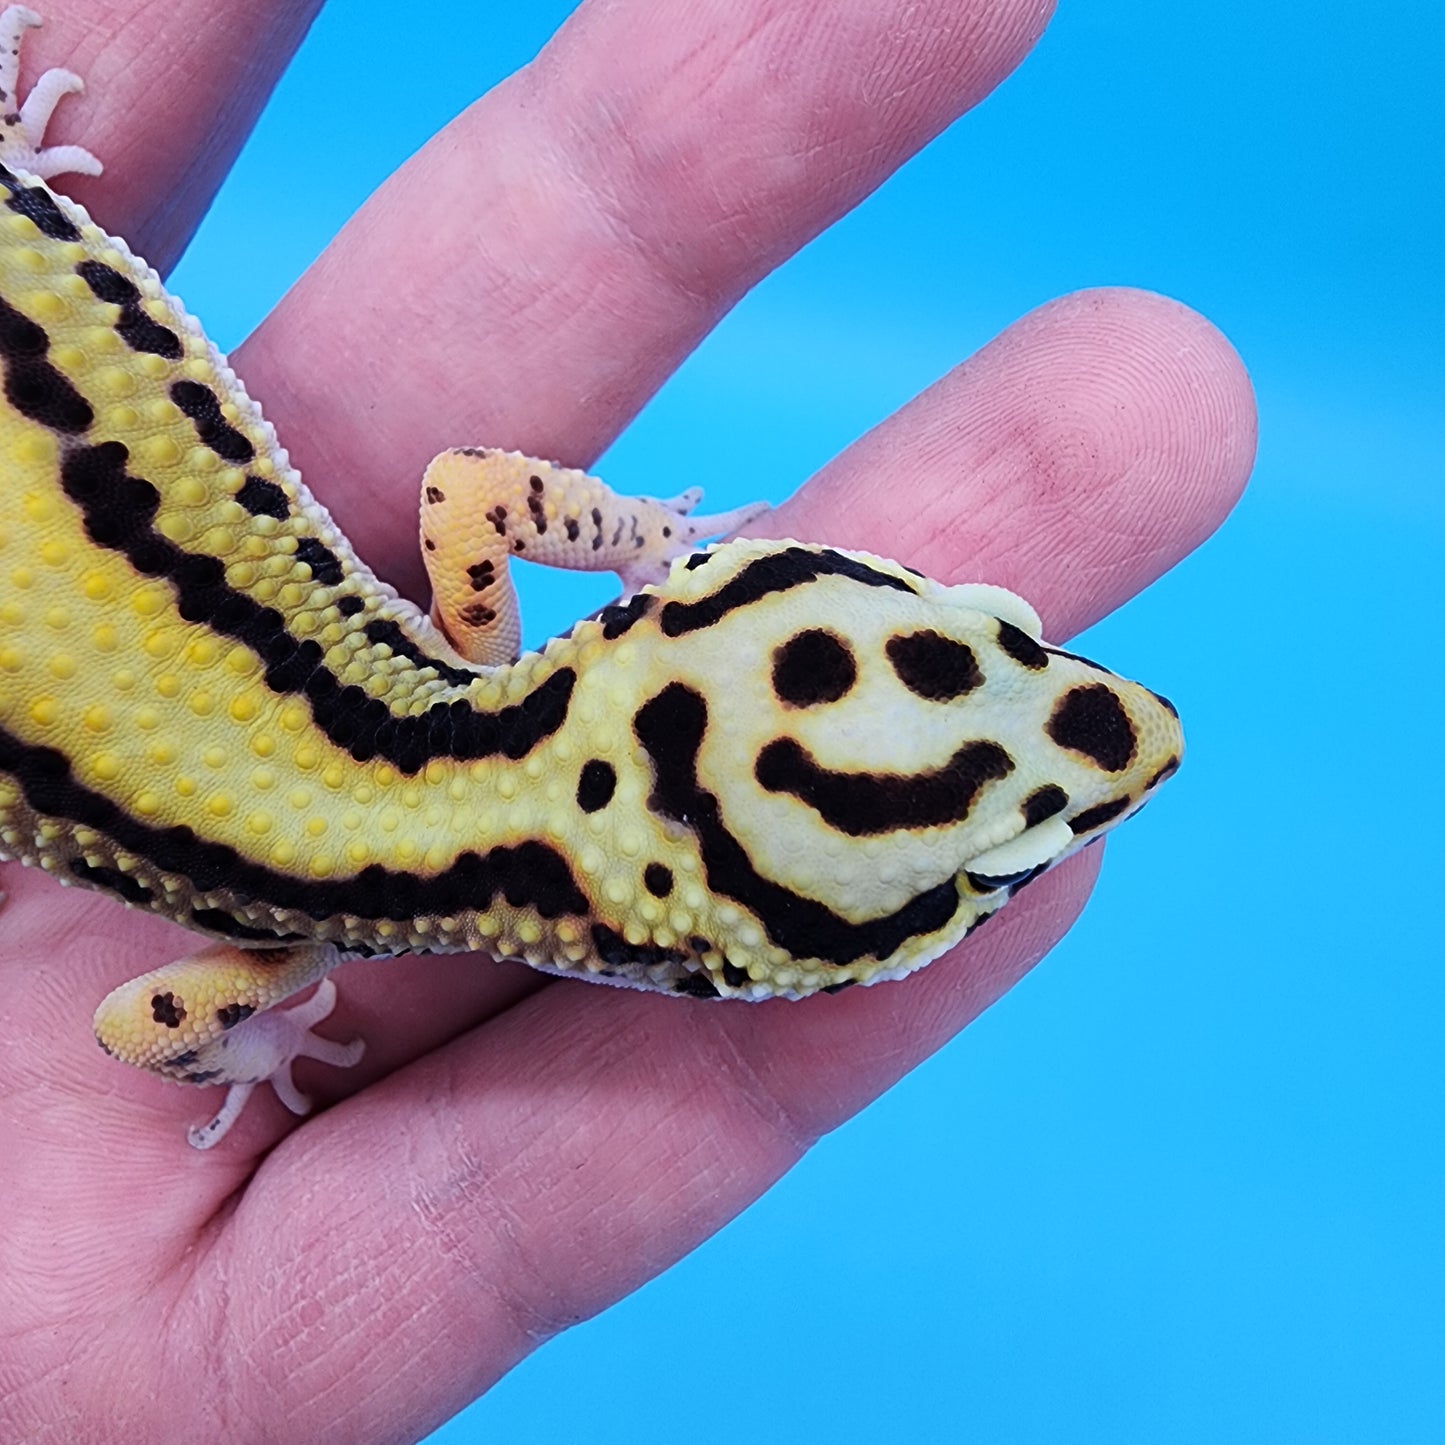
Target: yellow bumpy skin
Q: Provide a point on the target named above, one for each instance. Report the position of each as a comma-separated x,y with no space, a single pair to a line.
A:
775,769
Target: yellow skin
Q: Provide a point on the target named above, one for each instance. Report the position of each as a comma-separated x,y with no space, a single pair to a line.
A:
780,769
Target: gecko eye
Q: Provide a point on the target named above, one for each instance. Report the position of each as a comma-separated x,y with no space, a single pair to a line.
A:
934,666
813,667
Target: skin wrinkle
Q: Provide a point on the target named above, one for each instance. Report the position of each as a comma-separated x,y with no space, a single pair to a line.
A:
485,1198
719,1057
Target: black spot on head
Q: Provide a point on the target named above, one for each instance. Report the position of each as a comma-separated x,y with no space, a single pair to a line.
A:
350,606
435,495
596,784
934,666
167,1009
698,559
1044,803
1021,647
1092,818
1091,720
571,528
263,499
658,879
813,667
734,976
231,1014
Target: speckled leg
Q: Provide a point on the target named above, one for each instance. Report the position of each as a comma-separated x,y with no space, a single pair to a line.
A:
22,129
480,508
211,1019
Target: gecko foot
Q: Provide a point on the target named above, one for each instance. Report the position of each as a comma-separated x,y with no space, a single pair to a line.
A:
22,127
262,1050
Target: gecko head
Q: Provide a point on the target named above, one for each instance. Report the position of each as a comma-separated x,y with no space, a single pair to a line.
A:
894,733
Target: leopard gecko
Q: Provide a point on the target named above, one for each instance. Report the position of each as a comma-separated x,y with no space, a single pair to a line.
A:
774,769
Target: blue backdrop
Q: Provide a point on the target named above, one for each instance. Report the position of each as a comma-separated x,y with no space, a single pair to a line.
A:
1184,1183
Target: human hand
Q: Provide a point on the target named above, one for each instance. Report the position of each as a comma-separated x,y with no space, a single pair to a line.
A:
514,1154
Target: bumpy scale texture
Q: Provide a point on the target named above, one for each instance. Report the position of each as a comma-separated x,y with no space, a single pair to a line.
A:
778,768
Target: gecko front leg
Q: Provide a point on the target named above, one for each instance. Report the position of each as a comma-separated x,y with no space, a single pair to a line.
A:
22,130
481,507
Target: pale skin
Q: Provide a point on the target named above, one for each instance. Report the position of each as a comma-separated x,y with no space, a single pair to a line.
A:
514,1154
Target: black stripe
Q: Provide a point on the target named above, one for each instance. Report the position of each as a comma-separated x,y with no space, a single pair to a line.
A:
620,616
263,499
135,327
33,386
1024,649
1096,817
217,920
671,728
390,635
112,880
325,565
119,510
1043,803
203,407
529,874
776,572
865,804
37,203
1079,657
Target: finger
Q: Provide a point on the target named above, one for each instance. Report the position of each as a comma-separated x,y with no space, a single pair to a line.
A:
530,278
1073,459
171,93
580,1142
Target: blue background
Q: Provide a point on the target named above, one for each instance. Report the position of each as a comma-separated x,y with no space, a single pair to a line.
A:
1184,1183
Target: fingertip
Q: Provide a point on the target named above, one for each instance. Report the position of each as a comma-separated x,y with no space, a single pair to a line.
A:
1164,403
